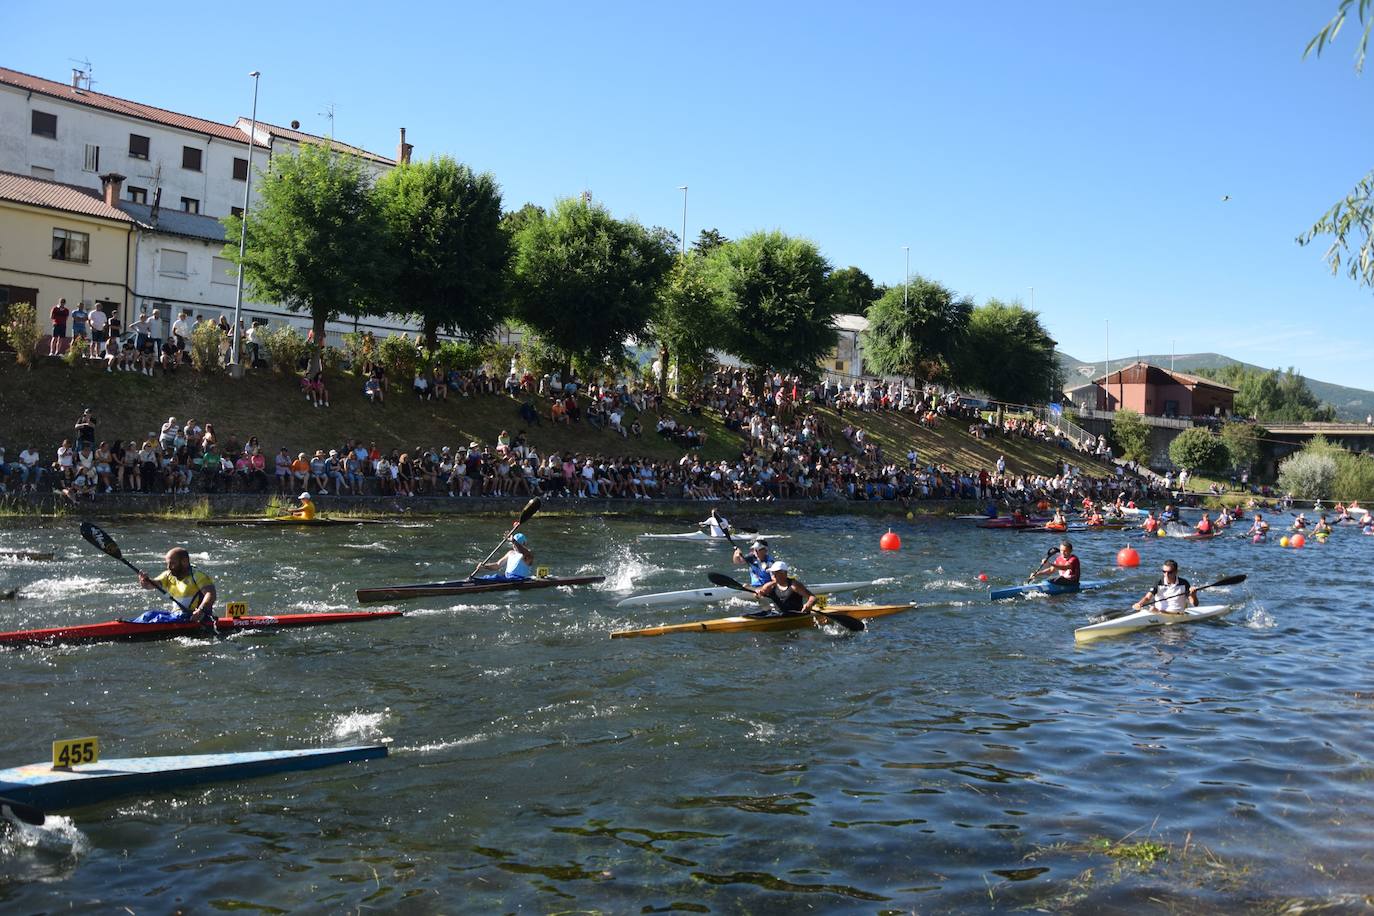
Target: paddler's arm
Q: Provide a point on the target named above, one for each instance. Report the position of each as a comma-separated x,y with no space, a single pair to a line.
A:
146,580
206,606
1149,596
811,600
1192,597
737,558
766,589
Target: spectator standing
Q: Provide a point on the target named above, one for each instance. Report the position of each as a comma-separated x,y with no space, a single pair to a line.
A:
100,324
79,318
58,316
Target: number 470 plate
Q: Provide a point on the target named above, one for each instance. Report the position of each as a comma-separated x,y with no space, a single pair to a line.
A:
73,751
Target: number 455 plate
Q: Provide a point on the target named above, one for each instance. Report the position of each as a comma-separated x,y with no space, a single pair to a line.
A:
73,751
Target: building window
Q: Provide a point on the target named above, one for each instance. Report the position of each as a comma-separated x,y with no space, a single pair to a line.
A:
138,195
839,365
92,161
240,169
236,211
190,158
38,171
44,125
224,271
172,262
138,146
68,245
190,205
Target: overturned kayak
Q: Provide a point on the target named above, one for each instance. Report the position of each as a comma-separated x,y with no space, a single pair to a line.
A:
467,587
783,622
715,593
741,537
318,522
40,785
124,631
1144,619
1049,588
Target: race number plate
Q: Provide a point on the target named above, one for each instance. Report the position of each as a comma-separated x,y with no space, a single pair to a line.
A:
236,609
542,572
72,751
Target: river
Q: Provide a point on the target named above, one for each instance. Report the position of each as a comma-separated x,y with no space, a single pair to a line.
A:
961,756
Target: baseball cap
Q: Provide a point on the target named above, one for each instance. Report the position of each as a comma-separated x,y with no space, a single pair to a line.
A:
779,566
304,496
756,544
519,538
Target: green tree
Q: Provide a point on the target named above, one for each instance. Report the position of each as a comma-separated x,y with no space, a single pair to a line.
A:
708,240
854,290
585,281
1131,436
314,239
1242,444
687,320
1267,394
916,331
777,306
448,248
1197,449
1308,474
1008,354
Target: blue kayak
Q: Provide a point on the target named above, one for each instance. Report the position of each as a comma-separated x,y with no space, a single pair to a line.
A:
997,594
40,785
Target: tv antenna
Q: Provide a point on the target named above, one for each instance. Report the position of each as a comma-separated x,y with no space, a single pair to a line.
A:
82,74
329,113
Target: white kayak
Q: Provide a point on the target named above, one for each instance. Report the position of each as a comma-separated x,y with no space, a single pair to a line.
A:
1144,619
715,593
742,538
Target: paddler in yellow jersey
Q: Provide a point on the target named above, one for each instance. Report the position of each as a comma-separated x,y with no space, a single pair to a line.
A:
192,589
306,510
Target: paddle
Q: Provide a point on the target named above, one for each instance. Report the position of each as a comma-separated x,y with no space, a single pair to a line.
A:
526,514
1041,565
1229,580
26,813
853,624
102,541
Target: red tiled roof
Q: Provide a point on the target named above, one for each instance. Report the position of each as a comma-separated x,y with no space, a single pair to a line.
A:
302,137
55,195
138,110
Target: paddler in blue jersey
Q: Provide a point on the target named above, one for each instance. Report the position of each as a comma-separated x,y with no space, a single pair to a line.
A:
518,563
192,589
758,559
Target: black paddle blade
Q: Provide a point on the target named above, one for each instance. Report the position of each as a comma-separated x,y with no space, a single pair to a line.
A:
531,507
725,581
1229,580
26,813
102,541
852,624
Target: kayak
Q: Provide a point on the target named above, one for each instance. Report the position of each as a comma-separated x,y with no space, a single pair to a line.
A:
1144,619
1011,523
784,622
997,594
40,785
24,555
707,595
1078,526
467,587
740,537
317,522
123,631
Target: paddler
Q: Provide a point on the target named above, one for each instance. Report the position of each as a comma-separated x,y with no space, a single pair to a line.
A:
1065,567
715,525
1204,526
1170,514
1059,522
1094,519
758,559
789,596
1322,527
518,563
1170,595
1223,520
306,510
1151,523
192,589
1300,523
1260,527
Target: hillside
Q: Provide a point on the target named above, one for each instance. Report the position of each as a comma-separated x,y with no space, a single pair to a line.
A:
41,405
1352,404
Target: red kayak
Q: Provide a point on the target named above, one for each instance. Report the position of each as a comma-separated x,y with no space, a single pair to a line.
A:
123,631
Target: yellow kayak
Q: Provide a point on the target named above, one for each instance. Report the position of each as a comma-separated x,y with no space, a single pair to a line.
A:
784,622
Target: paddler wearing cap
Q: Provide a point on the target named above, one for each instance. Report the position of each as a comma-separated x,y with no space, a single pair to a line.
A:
518,563
758,559
306,510
789,595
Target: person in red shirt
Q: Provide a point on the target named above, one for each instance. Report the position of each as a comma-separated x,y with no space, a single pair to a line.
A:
58,342
1065,567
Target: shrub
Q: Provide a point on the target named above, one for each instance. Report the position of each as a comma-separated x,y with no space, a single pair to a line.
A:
21,332
285,347
332,360
78,349
458,354
1198,450
399,357
206,338
538,357
1242,444
499,355
1354,477
1131,436
1308,474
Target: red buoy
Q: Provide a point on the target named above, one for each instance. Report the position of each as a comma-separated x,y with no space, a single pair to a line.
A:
1297,541
890,541
1127,557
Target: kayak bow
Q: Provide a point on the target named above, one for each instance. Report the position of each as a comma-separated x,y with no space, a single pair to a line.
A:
318,522
1144,619
714,593
783,622
466,587
123,631
997,594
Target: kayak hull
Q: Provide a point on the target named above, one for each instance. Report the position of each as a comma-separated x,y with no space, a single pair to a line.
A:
997,594
1145,619
740,537
708,595
289,522
40,785
121,631
466,587
764,624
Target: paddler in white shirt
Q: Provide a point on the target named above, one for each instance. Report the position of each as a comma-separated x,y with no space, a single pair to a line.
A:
715,525
1170,595
518,563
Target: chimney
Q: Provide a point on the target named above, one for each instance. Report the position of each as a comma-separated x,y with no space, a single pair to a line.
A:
113,183
403,150
76,78
157,206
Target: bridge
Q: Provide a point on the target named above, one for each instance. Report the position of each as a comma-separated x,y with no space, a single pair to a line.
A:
1357,437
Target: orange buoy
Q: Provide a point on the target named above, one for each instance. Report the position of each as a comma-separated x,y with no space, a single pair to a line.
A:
1127,557
1297,541
890,541
1043,505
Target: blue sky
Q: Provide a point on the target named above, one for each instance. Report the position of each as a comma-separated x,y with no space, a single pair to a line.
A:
1082,149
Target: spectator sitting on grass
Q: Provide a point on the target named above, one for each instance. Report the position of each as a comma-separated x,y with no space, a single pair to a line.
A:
636,429
528,415
373,389
421,386
440,384
557,412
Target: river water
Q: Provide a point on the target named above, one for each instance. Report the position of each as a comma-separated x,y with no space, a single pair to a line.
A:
961,756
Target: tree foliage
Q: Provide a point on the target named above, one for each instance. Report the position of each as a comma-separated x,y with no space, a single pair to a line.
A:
586,281
1197,449
314,239
918,331
21,332
854,290
1131,436
1308,474
1270,394
777,306
1008,354
448,248
687,320
708,240
1242,444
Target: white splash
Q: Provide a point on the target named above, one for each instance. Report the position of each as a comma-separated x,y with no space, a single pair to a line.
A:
58,834
359,725
441,745
627,568
58,589
1260,619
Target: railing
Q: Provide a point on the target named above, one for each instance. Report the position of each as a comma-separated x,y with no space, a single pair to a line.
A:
1110,415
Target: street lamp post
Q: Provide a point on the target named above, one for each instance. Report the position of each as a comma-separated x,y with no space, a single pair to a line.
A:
906,277
683,189
235,360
